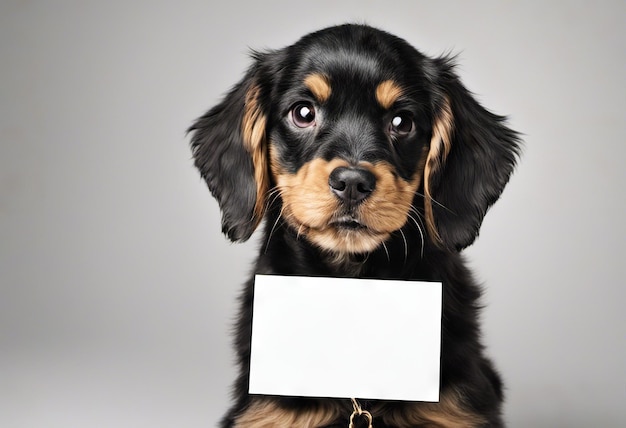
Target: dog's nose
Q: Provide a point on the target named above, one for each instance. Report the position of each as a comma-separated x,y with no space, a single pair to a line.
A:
351,184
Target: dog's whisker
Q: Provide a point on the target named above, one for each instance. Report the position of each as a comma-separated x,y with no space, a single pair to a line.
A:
435,201
419,228
406,246
386,251
416,215
271,233
272,196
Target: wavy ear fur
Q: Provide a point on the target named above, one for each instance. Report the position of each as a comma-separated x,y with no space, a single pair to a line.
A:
471,157
230,150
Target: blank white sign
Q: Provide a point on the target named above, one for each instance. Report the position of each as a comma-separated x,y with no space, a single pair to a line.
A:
345,338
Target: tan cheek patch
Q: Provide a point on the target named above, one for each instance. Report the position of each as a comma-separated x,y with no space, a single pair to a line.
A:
306,194
319,85
387,93
387,208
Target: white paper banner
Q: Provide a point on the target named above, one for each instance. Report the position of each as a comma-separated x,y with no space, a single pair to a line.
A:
344,338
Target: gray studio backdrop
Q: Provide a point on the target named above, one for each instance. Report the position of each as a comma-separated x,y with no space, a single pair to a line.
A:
117,289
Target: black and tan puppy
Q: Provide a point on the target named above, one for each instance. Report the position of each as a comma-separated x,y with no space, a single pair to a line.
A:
366,159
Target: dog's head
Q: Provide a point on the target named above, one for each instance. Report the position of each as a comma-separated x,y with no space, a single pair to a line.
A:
355,133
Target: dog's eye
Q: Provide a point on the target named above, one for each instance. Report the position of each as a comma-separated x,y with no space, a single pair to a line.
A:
401,124
303,115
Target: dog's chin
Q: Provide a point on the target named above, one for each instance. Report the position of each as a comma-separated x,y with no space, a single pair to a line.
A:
345,237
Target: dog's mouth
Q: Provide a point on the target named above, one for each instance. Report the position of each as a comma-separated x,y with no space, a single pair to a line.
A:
348,223
343,233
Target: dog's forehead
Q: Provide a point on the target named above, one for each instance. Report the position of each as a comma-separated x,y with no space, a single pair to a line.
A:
347,62
351,63
355,62
336,74
360,48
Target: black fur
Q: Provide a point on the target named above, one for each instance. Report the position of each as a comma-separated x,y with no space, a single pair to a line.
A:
353,127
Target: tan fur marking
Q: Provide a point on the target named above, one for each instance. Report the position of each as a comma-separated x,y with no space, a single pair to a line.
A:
387,93
449,412
440,146
388,206
253,130
311,207
265,413
319,85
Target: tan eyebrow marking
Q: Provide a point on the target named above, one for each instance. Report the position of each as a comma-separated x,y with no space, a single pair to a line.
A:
319,85
387,93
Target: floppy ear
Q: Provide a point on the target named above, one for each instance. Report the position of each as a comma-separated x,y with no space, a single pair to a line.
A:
230,150
471,157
